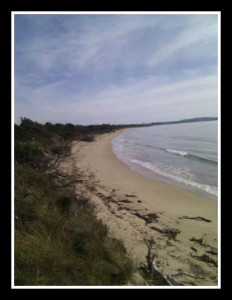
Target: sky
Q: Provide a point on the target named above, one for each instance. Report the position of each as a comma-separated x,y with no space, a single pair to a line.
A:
115,68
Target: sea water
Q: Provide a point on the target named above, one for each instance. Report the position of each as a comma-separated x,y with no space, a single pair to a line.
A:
184,154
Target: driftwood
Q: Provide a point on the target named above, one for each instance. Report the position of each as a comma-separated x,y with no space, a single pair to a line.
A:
156,276
181,273
174,281
152,266
149,218
213,252
126,201
194,249
195,218
205,258
127,195
170,232
101,195
199,241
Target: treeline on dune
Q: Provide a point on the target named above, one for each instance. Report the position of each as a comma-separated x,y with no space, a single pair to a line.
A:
29,129
58,239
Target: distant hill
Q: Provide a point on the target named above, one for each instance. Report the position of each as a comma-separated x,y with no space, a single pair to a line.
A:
203,119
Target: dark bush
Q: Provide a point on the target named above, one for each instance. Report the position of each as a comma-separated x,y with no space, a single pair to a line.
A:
78,240
64,204
28,154
60,149
87,138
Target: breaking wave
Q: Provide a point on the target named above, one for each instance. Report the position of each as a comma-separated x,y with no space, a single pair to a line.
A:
177,152
207,188
190,155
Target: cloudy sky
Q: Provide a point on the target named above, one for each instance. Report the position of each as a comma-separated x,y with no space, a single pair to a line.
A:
94,69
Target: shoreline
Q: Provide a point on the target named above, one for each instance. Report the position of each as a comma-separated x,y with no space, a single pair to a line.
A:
193,187
135,207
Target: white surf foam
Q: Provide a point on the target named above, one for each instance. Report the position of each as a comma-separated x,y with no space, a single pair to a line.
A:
177,152
207,188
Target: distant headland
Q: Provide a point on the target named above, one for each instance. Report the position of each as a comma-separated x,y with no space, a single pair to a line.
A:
202,119
187,121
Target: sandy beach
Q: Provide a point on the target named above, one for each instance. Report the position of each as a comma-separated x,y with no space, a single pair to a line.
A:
135,207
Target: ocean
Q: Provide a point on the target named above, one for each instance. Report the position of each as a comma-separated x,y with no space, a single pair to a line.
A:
184,154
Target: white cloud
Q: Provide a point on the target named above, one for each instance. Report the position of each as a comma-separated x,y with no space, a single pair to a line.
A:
140,101
78,45
196,39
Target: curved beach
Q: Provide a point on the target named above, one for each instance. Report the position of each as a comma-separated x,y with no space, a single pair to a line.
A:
135,207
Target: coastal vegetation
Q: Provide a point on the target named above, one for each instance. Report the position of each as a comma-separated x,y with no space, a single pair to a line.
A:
58,239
